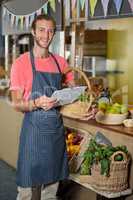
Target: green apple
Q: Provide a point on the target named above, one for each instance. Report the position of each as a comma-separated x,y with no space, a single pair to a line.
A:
102,105
124,108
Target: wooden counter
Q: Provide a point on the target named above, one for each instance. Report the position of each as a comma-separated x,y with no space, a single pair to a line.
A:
118,135
117,128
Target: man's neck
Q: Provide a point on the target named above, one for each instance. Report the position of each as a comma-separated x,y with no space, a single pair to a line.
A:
40,52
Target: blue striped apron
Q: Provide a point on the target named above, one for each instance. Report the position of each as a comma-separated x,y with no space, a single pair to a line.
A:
42,151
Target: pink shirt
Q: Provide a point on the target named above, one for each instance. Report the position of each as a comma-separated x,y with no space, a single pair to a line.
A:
21,71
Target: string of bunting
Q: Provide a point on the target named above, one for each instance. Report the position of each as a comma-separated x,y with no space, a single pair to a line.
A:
26,20
90,5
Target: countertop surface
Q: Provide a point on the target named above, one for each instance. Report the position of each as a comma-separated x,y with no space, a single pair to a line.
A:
117,128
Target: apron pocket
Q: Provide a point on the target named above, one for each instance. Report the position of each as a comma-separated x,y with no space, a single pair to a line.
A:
47,124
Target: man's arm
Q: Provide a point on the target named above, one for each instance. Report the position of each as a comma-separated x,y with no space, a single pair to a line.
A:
22,105
19,104
71,83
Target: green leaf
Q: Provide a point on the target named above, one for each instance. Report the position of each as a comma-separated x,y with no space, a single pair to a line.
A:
105,166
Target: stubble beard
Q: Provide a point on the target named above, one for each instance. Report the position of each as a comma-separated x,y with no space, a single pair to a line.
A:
38,43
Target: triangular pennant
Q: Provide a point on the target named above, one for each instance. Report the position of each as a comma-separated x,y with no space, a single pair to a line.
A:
52,4
38,12
4,11
45,8
27,21
73,2
92,6
118,5
31,19
64,3
21,22
12,20
131,4
16,20
67,10
86,8
78,9
82,3
105,6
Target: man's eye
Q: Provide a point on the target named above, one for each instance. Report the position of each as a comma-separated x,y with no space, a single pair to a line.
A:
51,30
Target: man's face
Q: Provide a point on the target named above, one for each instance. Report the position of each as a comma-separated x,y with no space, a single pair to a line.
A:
43,33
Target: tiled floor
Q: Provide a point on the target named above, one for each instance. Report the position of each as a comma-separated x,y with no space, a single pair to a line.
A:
8,188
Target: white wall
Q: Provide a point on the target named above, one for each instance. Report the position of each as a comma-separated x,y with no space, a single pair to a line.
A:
10,123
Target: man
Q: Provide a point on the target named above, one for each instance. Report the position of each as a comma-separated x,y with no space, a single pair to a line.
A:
35,75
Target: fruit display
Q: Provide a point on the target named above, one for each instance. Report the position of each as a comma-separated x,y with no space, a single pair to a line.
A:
114,108
111,114
73,140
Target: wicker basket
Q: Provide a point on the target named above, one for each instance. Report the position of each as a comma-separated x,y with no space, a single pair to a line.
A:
118,178
78,109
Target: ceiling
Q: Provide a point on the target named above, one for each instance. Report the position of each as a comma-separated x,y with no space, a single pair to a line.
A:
23,7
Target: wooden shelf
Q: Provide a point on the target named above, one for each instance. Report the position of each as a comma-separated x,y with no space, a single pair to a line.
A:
109,195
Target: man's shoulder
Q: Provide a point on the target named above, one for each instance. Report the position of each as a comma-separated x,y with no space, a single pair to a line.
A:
59,58
21,62
23,57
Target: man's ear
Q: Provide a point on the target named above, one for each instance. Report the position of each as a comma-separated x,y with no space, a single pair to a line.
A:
33,32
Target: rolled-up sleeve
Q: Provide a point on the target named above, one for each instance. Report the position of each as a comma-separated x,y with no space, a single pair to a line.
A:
70,75
16,76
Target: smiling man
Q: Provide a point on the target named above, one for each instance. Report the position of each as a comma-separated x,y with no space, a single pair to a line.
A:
35,75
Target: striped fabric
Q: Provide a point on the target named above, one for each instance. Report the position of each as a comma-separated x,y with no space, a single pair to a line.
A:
42,150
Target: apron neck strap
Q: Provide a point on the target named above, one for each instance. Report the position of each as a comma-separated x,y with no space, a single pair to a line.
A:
32,60
54,58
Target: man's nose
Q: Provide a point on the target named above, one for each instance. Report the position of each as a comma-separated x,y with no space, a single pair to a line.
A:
46,34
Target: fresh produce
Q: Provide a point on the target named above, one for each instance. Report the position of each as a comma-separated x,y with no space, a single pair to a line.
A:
115,108
73,141
118,157
102,105
84,97
97,153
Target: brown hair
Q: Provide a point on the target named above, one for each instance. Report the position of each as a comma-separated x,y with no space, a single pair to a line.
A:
42,17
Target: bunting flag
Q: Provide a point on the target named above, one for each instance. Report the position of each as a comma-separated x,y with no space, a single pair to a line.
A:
12,19
16,21
73,2
21,22
26,20
105,6
131,4
92,6
52,4
118,4
86,9
82,3
67,6
45,8
78,9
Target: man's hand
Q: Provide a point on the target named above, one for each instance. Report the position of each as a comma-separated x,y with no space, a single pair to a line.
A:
45,102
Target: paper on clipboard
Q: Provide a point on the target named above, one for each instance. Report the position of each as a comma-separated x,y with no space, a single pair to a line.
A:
68,95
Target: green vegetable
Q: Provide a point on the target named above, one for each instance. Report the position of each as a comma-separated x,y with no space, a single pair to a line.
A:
118,157
84,98
97,153
86,165
105,166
